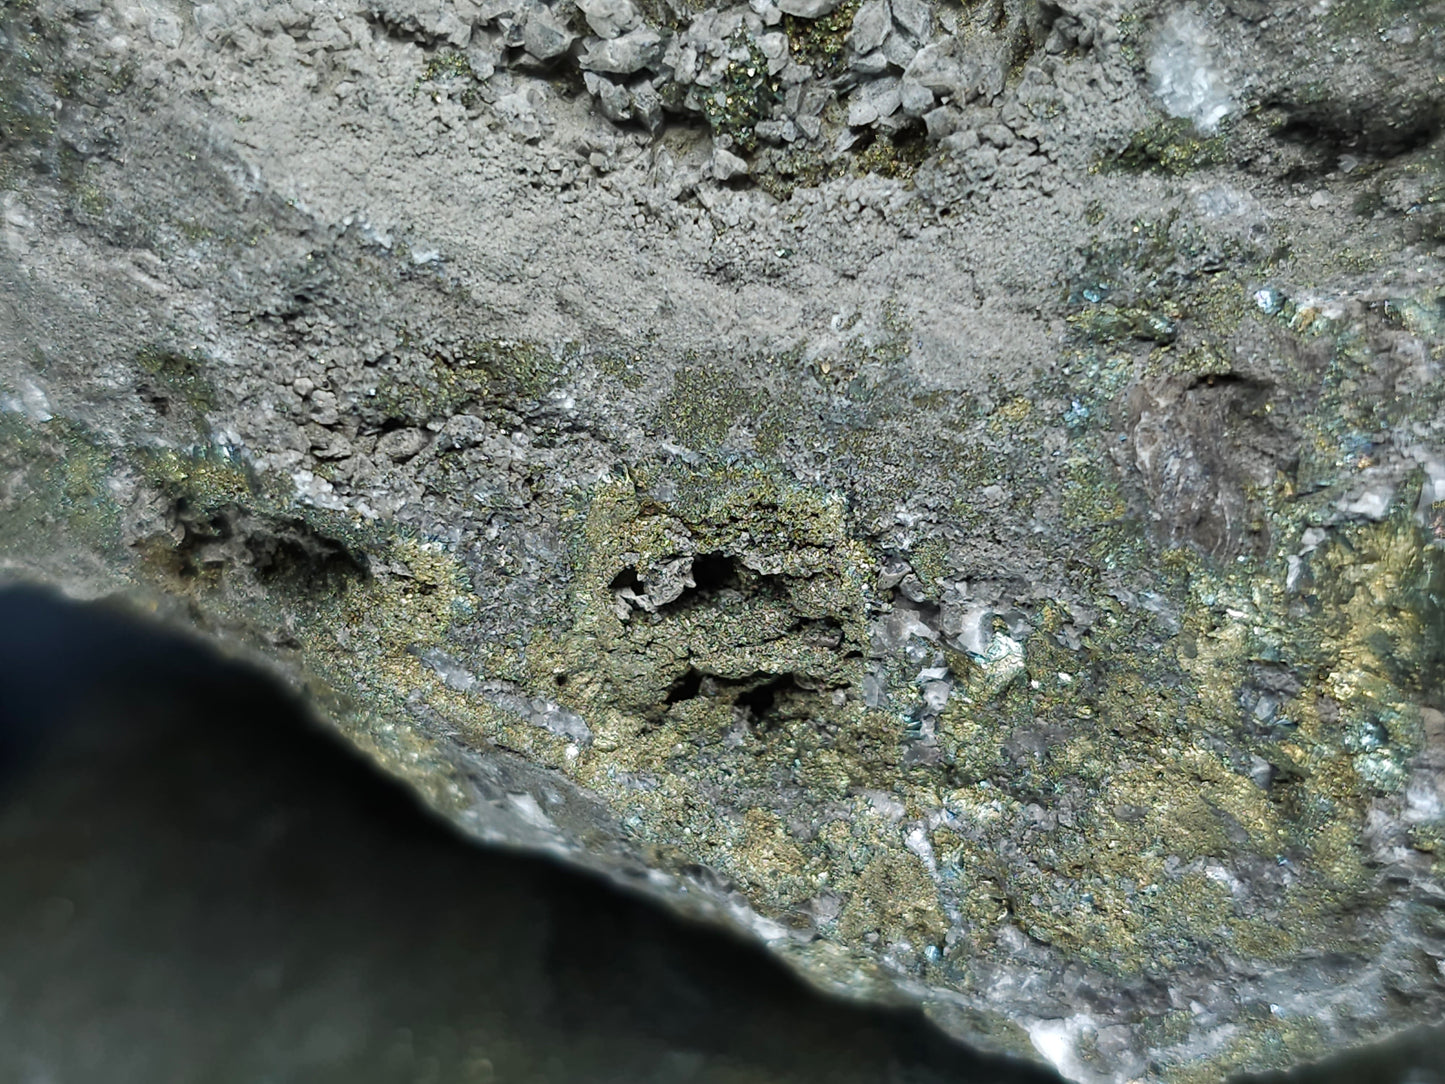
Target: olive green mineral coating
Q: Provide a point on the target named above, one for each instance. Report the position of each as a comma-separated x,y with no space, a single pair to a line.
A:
995,558
729,730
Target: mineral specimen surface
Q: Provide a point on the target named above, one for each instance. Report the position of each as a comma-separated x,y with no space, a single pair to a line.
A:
956,491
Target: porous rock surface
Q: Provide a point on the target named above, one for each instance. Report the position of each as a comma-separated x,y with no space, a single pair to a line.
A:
954,490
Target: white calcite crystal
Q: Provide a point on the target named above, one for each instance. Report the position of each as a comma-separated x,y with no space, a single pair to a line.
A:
1185,74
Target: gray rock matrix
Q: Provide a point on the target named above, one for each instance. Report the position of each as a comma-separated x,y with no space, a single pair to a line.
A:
956,491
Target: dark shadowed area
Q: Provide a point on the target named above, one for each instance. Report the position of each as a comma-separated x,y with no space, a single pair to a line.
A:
200,885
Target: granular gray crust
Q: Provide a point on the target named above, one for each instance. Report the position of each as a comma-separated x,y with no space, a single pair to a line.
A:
955,491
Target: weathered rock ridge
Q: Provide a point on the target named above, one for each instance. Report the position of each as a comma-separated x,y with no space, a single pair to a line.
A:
957,491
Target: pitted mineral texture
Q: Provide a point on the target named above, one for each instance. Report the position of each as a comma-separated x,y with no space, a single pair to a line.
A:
956,492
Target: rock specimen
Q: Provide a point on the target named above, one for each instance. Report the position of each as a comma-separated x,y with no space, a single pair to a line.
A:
956,491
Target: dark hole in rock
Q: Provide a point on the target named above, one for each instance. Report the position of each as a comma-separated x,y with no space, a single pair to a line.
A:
292,550
760,700
686,687
1331,128
197,524
1229,380
719,579
627,580
157,399
279,550
714,572
197,548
